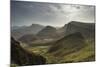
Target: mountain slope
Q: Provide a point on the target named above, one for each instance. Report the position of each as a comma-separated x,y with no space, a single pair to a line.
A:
33,29
28,38
71,48
68,44
48,32
23,57
86,29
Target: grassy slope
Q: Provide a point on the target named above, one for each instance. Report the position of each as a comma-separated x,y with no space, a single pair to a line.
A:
85,54
73,48
23,57
80,55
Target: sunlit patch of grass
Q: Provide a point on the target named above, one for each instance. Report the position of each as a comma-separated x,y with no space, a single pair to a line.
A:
77,56
80,55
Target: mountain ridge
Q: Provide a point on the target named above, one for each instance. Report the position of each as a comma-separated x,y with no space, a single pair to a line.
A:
32,29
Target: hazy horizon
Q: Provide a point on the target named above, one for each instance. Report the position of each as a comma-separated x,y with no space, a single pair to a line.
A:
42,25
53,14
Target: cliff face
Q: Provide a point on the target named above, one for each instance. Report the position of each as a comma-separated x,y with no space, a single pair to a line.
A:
22,57
86,29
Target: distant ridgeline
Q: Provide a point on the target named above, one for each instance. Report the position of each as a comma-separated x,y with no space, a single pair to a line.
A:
86,29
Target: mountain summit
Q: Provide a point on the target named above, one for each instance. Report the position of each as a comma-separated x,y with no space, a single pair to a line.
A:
48,32
86,29
32,29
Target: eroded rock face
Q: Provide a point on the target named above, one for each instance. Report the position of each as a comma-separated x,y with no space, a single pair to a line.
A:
86,29
23,57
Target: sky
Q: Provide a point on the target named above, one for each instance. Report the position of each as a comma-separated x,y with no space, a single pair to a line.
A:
54,14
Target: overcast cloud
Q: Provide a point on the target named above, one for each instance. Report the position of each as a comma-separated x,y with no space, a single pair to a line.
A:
26,13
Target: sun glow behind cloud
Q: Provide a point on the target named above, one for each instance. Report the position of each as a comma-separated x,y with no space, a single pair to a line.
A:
26,13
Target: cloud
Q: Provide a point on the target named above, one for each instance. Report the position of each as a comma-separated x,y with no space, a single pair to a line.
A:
26,13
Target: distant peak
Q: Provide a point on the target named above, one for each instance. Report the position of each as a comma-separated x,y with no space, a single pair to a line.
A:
75,22
50,27
34,24
80,22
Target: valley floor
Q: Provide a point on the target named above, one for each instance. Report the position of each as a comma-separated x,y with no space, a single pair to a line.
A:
85,54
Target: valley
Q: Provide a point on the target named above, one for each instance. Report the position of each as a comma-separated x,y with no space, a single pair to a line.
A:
75,42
